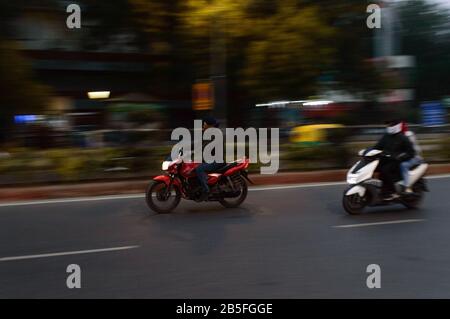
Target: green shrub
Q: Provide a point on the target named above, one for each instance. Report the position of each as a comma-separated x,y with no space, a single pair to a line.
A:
303,157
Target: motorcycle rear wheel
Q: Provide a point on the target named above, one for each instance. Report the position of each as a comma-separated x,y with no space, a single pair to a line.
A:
241,184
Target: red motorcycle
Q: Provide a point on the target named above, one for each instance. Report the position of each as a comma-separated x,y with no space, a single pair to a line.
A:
228,185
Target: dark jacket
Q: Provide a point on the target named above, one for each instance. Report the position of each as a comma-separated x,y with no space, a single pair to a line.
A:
213,153
397,145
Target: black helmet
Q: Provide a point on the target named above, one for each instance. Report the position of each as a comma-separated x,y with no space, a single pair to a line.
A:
209,120
393,122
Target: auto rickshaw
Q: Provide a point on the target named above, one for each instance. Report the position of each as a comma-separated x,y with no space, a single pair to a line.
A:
313,134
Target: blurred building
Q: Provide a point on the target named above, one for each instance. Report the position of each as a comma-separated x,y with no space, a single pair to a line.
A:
398,69
60,60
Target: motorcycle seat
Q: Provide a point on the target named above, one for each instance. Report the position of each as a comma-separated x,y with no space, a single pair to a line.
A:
226,167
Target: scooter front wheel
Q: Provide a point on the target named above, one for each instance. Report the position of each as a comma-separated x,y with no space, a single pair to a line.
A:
353,204
160,199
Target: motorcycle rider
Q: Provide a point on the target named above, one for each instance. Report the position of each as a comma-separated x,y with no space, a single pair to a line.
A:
395,144
204,168
416,160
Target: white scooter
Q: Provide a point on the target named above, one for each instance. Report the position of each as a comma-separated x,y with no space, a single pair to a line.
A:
366,190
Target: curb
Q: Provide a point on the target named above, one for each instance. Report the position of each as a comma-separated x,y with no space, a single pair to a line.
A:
139,186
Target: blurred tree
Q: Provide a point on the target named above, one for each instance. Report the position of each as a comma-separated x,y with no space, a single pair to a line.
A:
425,34
282,49
19,92
9,10
275,49
270,49
160,23
352,68
288,53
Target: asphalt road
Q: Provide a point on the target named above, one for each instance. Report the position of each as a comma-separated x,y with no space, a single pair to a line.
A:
282,243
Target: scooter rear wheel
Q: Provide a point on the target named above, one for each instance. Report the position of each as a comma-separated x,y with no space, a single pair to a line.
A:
414,201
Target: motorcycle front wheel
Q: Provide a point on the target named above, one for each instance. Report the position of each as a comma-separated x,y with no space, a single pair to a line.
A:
160,199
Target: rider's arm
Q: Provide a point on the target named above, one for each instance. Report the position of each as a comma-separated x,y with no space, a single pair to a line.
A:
412,138
380,144
409,148
406,150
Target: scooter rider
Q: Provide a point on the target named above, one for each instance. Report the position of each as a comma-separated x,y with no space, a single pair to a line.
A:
398,147
416,160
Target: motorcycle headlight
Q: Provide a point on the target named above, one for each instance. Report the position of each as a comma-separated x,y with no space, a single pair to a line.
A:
165,165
